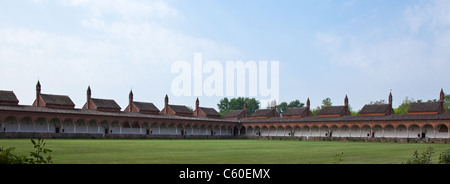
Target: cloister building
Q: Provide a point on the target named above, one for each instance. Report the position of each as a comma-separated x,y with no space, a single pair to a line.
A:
56,116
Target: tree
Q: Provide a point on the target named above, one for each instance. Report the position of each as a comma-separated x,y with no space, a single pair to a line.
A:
223,106
403,108
283,106
379,102
325,103
226,105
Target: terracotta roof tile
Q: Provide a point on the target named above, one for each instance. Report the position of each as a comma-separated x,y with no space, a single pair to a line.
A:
8,96
57,100
105,103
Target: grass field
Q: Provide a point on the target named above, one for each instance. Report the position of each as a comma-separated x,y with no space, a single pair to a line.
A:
72,151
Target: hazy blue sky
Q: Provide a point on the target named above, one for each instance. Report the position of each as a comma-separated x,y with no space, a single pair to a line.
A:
326,48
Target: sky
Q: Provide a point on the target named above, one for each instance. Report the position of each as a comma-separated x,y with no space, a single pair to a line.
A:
325,48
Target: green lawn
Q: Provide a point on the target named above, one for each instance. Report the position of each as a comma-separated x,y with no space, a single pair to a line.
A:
222,151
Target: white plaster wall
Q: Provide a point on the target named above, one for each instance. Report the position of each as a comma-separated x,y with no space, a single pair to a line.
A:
10,126
272,131
26,126
40,126
345,132
280,132
414,132
315,132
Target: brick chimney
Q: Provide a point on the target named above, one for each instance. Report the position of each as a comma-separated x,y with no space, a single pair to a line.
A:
38,93
88,97
197,104
166,104
130,101
245,110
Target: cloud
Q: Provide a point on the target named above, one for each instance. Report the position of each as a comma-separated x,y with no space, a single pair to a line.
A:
114,46
128,9
419,52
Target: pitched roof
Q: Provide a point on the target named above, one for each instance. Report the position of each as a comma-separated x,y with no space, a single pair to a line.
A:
57,100
8,96
146,106
233,113
262,112
180,109
105,103
331,110
209,111
375,108
424,107
295,111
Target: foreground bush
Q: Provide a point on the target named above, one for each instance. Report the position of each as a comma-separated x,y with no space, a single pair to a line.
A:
8,157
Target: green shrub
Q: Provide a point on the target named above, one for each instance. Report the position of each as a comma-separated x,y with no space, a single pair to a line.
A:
444,158
7,157
338,158
423,158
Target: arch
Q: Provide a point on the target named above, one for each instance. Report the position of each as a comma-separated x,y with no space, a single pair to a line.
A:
366,131
315,131
10,124
229,130
146,128
250,131
257,131
68,126
80,126
264,131
188,129
288,131
235,131
41,125
181,129
377,131
306,131
280,131
414,131
93,127
135,128
334,131
401,131
442,131
297,131
344,131
196,130
389,131
26,124
355,131
243,131
217,130
54,125
125,128
203,130
154,128
324,131
210,130
115,127
272,131
172,129
428,131
163,129
103,127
